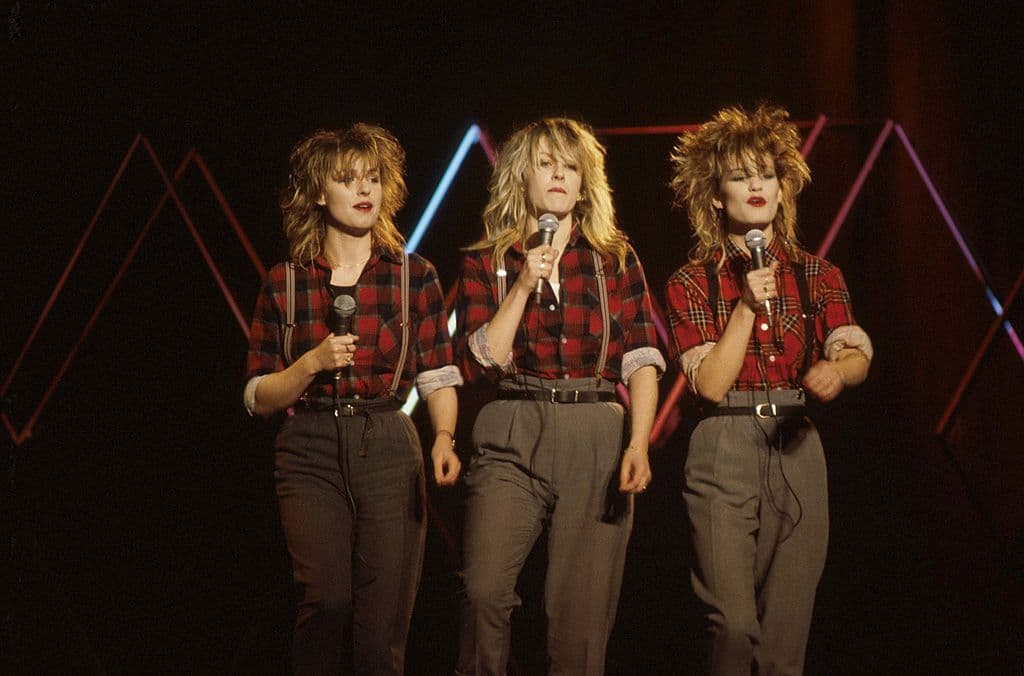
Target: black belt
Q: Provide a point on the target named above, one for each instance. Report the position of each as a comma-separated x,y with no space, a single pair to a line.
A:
559,396
758,410
350,407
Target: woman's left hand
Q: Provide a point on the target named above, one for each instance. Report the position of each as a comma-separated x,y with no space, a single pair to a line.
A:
446,461
636,471
824,381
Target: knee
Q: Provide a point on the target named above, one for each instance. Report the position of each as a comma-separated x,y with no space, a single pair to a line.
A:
483,592
330,603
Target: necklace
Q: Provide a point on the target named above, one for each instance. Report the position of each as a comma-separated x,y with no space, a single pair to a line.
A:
348,265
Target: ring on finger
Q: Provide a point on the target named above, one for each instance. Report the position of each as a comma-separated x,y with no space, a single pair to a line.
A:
544,257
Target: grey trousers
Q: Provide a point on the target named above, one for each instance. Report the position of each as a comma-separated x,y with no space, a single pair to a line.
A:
757,497
361,572
538,464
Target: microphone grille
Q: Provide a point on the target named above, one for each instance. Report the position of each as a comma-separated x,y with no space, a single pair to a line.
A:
755,239
547,223
345,305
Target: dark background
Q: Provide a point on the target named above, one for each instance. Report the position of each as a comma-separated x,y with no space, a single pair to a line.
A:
140,532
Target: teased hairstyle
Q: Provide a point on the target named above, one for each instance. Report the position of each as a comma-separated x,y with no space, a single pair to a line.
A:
329,155
701,158
507,214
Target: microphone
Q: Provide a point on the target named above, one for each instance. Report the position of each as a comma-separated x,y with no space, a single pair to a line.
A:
344,308
755,241
547,224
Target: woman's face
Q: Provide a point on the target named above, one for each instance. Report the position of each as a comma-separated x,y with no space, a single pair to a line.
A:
552,184
352,198
748,194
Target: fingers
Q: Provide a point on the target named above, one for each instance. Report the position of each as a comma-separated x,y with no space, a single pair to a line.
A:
635,476
540,262
446,467
338,351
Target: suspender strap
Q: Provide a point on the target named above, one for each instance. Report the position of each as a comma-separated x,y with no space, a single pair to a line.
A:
397,378
501,290
602,289
805,307
711,274
289,324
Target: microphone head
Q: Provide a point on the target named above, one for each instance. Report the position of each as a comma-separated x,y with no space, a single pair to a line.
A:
345,305
755,239
547,223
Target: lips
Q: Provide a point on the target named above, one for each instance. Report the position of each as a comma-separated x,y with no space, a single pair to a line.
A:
363,206
560,191
757,201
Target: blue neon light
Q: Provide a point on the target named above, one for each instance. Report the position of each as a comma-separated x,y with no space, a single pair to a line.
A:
471,137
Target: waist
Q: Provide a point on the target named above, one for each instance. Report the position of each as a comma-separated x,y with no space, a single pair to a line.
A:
564,391
758,403
348,407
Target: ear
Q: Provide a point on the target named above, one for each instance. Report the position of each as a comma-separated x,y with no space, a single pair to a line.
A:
321,200
717,203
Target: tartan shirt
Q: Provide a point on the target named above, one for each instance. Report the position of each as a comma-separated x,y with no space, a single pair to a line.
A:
559,337
377,322
781,344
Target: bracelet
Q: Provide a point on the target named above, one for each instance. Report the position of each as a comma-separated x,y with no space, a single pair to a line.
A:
450,436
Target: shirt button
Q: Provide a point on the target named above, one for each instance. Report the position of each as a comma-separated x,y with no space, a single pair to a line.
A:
564,340
764,326
771,358
551,307
566,376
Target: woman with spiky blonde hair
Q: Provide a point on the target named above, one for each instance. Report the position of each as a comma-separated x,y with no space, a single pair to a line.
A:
557,320
340,334
759,325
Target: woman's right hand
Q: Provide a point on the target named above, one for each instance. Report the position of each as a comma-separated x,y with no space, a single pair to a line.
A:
540,261
760,286
335,352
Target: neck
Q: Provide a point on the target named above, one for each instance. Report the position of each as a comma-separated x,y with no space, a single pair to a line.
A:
738,234
346,250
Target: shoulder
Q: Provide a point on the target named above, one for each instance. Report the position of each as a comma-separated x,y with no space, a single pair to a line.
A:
420,266
690,274
817,268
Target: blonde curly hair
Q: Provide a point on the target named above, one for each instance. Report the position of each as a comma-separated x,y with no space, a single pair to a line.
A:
701,158
330,155
507,214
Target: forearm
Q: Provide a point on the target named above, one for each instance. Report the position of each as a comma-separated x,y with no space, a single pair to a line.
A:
443,406
278,391
643,404
502,327
720,368
852,365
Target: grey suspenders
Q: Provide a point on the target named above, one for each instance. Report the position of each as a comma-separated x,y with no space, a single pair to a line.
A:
289,326
602,289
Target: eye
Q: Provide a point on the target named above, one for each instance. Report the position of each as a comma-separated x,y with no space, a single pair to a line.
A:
572,167
544,163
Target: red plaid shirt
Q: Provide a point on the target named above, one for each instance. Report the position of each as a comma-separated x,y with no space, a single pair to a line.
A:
782,343
562,338
377,322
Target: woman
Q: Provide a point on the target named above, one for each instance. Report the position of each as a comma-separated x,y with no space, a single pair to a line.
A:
549,450
754,342
348,464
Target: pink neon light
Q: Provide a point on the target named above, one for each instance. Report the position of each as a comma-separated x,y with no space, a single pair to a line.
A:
812,136
844,210
979,354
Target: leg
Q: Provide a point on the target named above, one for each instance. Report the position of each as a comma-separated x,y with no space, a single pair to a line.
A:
721,495
391,525
503,521
791,559
317,525
587,554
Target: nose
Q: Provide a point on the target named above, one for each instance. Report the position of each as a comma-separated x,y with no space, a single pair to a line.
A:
754,182
364,186
557,170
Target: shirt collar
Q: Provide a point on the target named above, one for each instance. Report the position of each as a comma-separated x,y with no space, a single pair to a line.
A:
377,253
574,236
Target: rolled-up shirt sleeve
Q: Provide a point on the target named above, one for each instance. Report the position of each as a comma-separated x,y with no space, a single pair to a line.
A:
691,321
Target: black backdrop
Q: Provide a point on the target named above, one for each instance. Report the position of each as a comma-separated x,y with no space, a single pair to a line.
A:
146,537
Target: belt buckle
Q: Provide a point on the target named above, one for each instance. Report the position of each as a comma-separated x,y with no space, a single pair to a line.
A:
758,408
554,395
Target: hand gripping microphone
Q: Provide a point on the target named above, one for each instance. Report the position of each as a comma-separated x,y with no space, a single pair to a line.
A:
547,224
344,308
755,241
